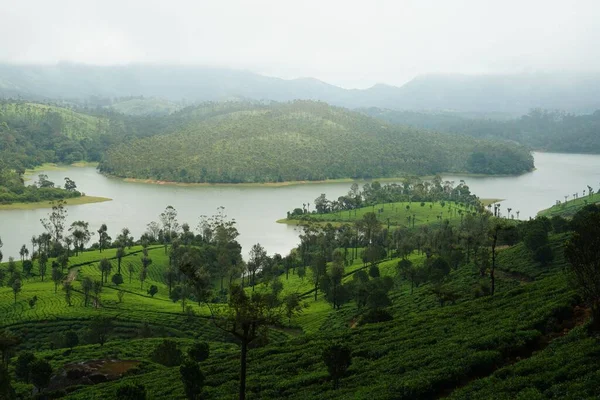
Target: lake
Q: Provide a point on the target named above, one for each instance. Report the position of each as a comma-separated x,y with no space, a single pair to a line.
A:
256,209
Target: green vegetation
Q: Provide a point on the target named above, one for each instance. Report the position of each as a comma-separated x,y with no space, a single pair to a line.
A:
14,191
569,208
409,204
297,141
539,129
459,310
141,106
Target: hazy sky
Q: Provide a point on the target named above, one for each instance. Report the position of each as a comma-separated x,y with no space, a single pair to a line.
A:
348,43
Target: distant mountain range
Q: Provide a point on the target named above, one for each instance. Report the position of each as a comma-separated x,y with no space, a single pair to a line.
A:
514,94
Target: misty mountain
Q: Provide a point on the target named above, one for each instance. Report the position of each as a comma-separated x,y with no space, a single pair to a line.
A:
514,94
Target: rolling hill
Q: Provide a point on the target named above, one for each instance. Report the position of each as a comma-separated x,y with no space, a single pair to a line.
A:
515,94
301,140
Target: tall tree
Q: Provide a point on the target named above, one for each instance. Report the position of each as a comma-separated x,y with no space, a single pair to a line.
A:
55,222
582,251
246,318
257,259
170,225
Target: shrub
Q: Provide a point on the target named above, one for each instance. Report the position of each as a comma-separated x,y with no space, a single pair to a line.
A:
167,353
131,391
192,378
199,351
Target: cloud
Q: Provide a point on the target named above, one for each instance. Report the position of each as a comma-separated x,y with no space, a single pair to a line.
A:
352,43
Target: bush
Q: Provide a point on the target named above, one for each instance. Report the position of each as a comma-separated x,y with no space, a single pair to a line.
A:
23,366
337,358
167,353
192,378
131,391
117,279
199,351
374,316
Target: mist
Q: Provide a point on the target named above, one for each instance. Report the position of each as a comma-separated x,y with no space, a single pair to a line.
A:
346,43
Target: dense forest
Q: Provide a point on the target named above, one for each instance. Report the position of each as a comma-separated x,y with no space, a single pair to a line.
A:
539,129
301,140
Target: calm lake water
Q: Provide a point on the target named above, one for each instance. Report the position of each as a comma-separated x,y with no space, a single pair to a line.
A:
256,209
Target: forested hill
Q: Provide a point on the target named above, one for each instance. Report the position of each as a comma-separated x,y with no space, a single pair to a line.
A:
302,140
539,129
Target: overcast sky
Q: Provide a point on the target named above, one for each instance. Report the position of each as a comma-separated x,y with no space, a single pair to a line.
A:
347,43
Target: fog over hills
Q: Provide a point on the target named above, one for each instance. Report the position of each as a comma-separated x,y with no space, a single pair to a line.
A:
516,93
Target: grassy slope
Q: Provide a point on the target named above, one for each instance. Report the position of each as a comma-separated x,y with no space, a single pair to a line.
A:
571,207
396,212
423,353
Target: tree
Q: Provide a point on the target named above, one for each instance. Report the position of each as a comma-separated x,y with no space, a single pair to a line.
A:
86,288
117,279
57,277
55,223
80,234
131,391
70,185
97,289
199,351
99,330
143,276
23,366
71,339
103,238
318,267
27,267
257,259
120,254
192,378
246,318
180,292
41,371
43,264
6,390
68,289
130,270
33,301
16,288
292,305
170,225
23,252
167,353
582,251
153,290
105,267
337,358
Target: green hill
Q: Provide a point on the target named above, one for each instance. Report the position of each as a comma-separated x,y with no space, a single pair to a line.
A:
529,340
570,208
545,130
298,141
145,106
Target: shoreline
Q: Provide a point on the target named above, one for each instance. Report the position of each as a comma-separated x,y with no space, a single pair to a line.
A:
288,183
47,204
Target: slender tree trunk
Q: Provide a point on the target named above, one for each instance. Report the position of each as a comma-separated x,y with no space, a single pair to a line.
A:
243,367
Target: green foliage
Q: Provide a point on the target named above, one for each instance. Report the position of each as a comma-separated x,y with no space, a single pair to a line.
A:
337,358
23,366
40,373
199,351
296,141
117,279
131,391
192,378
547,130
167,353
71,339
